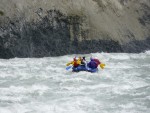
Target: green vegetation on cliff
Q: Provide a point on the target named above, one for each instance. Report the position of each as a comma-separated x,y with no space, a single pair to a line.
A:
1,13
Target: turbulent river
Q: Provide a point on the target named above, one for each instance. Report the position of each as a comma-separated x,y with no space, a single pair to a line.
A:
42,85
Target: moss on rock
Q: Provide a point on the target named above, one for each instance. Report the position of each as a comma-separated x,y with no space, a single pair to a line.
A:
1,13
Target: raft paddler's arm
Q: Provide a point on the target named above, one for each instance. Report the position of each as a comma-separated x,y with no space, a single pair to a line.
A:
69,63
102,66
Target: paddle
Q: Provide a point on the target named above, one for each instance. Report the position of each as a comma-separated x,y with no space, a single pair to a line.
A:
69,67
102,66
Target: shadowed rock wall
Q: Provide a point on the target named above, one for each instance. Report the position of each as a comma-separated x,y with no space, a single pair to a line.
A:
109,26
55,34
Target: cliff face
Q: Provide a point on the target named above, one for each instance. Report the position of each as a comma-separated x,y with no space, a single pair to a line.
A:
40,28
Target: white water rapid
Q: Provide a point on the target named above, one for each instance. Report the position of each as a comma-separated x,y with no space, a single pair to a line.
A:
42,85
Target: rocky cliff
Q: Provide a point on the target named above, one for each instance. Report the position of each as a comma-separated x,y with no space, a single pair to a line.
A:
38,28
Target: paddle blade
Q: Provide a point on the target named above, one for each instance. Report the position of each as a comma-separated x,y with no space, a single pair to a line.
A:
69,67
102,66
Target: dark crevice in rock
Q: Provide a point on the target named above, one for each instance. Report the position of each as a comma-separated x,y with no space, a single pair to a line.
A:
145,19
1,13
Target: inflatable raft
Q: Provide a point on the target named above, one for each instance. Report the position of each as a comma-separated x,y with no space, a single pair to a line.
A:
84,68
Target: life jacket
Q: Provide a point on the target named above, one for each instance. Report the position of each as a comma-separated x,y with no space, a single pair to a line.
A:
76,62
83,62
92,64
97,61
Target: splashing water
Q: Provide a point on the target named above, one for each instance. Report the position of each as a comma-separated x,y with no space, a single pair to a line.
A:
42,85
